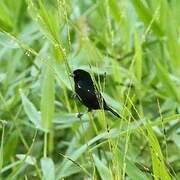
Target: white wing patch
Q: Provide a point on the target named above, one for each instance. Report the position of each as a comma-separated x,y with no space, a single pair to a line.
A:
81,88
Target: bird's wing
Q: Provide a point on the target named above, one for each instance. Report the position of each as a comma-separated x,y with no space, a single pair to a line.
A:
87,95
87,91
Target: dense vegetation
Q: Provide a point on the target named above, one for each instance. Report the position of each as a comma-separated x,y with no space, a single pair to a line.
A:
131,48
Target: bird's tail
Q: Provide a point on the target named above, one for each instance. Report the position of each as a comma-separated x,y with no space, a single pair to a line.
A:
112,111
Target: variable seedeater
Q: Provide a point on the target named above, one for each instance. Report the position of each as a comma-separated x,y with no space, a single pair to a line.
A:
87,93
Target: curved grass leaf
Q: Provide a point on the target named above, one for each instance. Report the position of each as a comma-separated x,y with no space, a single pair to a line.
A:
30,110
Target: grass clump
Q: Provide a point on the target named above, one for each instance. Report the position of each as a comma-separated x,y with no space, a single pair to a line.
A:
131,48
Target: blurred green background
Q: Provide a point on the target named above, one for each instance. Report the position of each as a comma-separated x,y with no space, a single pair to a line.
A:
131,48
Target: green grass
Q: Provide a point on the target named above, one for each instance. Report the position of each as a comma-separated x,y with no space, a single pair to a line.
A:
131,48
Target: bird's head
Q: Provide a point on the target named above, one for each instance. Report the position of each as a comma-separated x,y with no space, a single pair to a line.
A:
82,75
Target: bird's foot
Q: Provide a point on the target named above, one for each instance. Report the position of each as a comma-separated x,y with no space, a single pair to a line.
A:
79,115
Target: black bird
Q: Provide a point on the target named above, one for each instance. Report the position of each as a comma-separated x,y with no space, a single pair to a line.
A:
87,93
